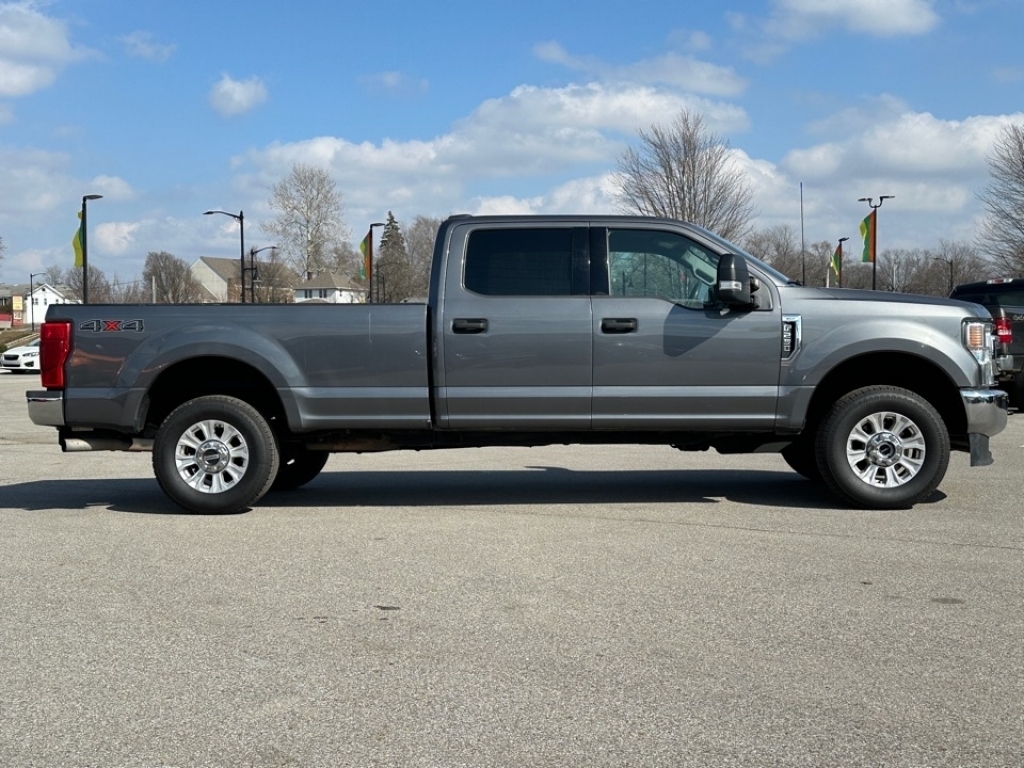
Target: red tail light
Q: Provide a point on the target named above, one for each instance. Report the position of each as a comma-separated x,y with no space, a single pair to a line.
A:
54,348
1004,332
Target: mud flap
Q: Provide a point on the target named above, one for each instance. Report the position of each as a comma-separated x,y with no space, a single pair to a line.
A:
981,456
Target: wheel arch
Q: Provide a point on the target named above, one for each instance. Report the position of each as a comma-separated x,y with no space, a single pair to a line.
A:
898,369
213,375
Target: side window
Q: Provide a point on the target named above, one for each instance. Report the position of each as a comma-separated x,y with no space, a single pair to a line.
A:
520,262
661,265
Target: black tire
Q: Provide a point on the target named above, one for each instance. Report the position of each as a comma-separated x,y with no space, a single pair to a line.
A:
802,458
1017,391
299,465
215,455
883,447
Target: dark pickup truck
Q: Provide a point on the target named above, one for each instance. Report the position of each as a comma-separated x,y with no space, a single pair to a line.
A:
536,331
1004,299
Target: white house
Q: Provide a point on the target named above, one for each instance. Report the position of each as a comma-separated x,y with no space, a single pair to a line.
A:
329,288
35,306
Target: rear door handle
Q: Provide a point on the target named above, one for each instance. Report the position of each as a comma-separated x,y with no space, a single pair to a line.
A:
618,325
469,325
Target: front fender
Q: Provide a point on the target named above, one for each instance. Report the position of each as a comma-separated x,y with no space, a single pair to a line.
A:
823,350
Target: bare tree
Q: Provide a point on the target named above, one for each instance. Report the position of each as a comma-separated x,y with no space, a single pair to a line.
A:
1002,234
1,249
685,172
55,275
99,287
419,243
170,279
128,291
275,280
776,246
903,270
818,259
346,260
309,221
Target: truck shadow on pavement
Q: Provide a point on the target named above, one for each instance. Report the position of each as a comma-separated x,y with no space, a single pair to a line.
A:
531,486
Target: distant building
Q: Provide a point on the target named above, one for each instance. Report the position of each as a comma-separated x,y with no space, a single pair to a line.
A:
329,288
22,309
6,307
218,277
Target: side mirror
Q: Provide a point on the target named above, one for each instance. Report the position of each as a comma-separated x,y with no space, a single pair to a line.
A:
733,281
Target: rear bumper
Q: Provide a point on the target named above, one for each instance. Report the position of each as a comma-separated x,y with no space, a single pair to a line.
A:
46,408
986,417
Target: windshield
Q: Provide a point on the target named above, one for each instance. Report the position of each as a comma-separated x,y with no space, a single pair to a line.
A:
729,247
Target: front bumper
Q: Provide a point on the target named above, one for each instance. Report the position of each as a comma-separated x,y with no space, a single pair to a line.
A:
46,408
986,411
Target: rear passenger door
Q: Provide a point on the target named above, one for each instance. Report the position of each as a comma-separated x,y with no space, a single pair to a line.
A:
666,354
516,329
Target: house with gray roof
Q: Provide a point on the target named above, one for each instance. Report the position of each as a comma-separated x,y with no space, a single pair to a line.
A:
330,288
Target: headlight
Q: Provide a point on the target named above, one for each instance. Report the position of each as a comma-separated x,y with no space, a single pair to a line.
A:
978,338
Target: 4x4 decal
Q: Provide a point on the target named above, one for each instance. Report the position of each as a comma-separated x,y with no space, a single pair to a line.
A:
111,326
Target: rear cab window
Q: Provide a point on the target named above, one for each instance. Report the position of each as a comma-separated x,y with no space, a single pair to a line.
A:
522,262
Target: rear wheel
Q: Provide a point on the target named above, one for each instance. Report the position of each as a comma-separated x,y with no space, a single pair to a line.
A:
215,454
883,448
299,465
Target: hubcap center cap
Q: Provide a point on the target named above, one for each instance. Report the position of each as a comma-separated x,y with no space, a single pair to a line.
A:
213,456
884,449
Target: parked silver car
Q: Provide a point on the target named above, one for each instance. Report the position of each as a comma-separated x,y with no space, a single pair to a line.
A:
24,358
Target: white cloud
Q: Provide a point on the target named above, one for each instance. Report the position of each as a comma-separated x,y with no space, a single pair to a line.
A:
595,194
112,187
33,180
114,237
672,69
798,19
33,49
792,21
230,97
903,144
532,133
141,45
394,84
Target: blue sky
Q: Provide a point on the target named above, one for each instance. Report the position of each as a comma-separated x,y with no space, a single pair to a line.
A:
170,109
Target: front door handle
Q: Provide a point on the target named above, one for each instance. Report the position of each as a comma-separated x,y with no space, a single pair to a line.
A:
618,325
469,325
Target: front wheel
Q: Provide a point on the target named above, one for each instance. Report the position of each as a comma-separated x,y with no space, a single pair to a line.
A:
883,447
215,454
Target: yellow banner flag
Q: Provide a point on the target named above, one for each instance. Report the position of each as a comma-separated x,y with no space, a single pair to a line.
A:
76,242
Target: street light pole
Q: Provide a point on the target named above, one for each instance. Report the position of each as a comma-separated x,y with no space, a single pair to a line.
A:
85,250
252,269
240,218
369,262
874,231
31,306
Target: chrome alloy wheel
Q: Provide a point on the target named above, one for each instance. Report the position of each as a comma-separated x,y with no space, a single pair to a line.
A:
886,449
211,456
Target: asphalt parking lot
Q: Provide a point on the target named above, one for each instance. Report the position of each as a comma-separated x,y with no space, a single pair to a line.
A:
608,606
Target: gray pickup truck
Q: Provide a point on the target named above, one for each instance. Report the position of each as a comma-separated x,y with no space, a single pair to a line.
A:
537,330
